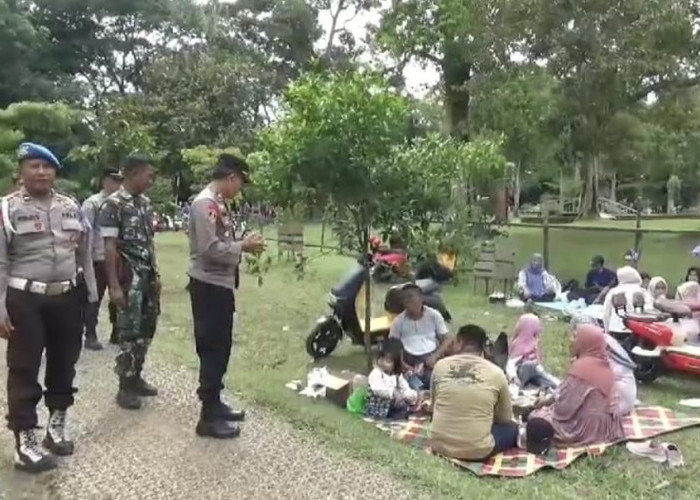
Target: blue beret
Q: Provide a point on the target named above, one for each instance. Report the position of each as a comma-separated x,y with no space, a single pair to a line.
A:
31,151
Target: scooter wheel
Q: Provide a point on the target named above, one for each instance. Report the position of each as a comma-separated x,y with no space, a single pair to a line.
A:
647,370
323,339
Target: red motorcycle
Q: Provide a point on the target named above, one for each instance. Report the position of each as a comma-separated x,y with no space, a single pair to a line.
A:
663,341
389,264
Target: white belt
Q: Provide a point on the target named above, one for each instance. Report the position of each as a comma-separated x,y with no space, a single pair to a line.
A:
55,288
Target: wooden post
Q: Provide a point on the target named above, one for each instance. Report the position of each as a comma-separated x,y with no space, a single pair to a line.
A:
323,230
638,224
545,240
368,301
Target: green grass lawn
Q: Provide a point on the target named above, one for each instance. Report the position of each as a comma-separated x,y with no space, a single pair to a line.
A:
269,352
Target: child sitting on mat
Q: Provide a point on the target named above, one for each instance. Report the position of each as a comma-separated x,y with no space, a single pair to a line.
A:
389,394
524,365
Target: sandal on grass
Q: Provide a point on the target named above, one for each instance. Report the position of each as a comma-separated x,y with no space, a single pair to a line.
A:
673,454
648,449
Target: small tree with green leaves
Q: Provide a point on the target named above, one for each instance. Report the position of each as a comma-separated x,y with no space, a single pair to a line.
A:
334,143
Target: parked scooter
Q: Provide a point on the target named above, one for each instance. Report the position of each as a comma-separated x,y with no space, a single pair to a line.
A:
660,341
346,301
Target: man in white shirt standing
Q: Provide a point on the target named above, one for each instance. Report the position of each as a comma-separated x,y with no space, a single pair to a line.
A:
423,333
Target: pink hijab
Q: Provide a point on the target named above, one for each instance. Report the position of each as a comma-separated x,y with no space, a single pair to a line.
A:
526,343
591,364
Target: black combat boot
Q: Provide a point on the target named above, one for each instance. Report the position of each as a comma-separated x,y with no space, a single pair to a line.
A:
143,388
114,336
212,425
92,344
229,414
57,440
128,396
29,455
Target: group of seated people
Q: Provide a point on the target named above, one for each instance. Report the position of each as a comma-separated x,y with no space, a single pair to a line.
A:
421,368
536,284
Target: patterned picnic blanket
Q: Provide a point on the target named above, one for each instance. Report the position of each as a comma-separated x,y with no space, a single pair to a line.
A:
646,422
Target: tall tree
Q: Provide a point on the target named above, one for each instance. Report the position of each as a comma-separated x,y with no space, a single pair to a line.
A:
462,38
608,57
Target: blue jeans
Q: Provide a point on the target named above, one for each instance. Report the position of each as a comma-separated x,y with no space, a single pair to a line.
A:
505,437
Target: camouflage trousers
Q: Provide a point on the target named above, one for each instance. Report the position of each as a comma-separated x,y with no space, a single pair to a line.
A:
136,323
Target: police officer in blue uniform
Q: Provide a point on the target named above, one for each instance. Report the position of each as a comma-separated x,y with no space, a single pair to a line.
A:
43,242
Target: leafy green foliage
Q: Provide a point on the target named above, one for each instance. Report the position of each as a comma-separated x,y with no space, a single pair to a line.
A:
258,266
334,143
201,161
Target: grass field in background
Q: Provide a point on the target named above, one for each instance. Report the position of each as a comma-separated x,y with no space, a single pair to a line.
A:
269,352
571,249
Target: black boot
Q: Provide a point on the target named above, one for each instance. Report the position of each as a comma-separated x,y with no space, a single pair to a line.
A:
92,344
57,440
128,397
229,414
114,336
212,425
29,455
143,388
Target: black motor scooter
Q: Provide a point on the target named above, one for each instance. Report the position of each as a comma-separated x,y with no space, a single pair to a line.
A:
346,301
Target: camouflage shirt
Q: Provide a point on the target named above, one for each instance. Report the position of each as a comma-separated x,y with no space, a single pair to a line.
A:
128,218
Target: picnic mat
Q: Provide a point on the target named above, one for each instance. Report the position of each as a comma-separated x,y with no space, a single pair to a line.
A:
646,422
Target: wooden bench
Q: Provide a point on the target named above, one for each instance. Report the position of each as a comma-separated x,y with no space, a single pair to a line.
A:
495,262
290,239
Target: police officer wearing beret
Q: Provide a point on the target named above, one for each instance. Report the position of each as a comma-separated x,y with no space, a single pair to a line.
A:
110,181
44,240
213,270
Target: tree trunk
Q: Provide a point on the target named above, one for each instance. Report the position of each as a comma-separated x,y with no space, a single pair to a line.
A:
516,191
613,187
456,75
562,190
589,196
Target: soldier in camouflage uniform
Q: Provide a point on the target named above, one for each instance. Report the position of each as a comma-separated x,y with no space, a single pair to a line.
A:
125,220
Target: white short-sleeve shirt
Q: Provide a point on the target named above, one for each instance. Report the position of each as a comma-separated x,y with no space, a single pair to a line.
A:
419,336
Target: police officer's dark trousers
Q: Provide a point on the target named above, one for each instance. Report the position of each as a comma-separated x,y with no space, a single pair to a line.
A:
92,311
212,309
41,322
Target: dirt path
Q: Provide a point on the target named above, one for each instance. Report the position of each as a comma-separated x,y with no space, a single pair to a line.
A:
154,453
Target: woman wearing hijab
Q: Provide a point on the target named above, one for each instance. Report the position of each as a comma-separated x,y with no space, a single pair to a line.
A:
692,274
658,288
621,364
629,284
535,284
585,411
524,365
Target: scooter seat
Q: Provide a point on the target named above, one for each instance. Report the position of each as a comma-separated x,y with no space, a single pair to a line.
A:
379,324
688,350
428,286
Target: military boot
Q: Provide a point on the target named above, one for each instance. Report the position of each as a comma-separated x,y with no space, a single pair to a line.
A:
92,344
57,440
212,425
128,396
143,388
29,455
114,336
229,414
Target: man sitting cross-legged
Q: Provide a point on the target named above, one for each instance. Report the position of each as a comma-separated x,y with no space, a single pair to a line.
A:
472,411
423,333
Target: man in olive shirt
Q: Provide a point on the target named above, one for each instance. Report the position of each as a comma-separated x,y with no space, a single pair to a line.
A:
472,412
213,271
